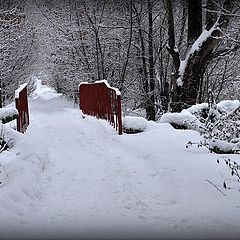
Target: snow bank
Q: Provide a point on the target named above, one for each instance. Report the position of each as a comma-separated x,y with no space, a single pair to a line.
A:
184,118
134,123
198,108
9,135
228,105
8,112
187,116
224,106
21,168
20,188
220,146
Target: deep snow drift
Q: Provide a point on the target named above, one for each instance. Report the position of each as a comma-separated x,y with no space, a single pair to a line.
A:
73,177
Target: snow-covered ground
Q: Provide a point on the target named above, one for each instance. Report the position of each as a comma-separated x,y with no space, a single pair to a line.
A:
74,177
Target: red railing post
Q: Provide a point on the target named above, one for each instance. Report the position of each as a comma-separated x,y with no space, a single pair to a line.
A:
100,100
21,101
119,114
19,115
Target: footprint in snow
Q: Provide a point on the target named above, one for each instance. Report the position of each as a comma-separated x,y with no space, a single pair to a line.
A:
142,217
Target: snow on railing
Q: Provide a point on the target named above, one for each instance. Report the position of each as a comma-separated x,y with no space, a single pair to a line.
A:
21,101
100,100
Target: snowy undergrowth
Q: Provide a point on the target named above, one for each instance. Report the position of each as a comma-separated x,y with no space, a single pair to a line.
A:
218,124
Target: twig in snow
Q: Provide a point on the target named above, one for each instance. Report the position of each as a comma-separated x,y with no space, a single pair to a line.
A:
5,171
4,146
1,165
216,187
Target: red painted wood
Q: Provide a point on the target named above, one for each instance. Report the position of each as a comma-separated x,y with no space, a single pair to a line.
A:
97,99
23,112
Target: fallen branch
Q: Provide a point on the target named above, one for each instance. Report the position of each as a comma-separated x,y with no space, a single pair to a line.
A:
216,187
1,165
5,146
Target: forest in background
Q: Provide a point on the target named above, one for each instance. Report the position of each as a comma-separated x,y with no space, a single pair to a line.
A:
162,55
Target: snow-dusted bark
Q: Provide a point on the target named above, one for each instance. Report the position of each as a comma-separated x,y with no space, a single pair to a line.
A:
190,70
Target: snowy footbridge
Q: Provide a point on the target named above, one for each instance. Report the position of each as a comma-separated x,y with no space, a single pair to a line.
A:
96,99
71,177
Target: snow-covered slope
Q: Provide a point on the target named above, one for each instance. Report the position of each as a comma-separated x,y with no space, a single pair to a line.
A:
73,177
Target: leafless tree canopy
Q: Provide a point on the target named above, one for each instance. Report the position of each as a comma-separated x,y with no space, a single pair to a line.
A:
162,55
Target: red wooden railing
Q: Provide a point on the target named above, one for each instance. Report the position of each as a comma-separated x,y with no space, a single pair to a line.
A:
21,101
100,100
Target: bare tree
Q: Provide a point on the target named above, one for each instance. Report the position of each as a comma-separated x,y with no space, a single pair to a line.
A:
188,73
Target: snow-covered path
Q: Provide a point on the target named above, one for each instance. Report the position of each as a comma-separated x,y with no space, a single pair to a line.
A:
89,182
91,185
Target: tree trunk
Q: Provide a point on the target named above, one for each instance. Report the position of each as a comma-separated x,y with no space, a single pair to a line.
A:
144,67
190,71
174,53
151,114
211,16
128,49
194,20
1,102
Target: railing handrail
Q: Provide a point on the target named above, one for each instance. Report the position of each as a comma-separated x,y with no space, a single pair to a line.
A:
106,83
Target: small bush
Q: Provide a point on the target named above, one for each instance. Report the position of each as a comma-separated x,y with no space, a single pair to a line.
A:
221,127
134,124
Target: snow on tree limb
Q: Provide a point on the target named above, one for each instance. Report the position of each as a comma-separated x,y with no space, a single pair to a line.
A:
196,47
